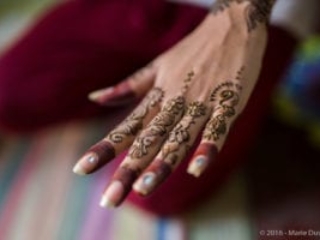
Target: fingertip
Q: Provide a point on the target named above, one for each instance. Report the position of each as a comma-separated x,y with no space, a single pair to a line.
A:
203,156
106,203
95,95
197,166
113,195
145,184
86,164
119,95
152,177
77,169
95,158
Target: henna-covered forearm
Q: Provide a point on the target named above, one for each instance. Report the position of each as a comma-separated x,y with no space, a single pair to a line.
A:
255,12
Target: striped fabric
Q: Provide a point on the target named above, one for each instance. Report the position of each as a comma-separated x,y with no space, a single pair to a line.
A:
41,199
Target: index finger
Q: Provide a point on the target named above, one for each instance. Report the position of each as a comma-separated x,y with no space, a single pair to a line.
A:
122,136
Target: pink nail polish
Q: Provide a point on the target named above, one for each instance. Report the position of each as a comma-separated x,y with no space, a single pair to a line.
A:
97,156
198,165
94,96
121,94
86,164
123,177
145,183
204,155
113,195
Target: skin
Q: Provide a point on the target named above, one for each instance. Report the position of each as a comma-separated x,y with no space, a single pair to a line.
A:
215,71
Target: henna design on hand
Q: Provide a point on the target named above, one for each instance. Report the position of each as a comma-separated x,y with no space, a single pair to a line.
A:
134,123
179,137
222,5
257,11
174,150
187,81
227,97
239,76
158,127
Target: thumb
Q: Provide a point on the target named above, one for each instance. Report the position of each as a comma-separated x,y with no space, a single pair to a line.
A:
132,88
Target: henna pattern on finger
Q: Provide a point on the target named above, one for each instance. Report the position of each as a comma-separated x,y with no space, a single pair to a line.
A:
257,11
134,123
179,137
158,127
173,151
187,81
104,151
226,97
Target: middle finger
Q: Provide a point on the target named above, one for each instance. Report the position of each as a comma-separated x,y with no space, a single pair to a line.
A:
143,150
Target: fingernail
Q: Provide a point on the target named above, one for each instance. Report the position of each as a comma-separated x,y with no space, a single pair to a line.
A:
94,96
121,94
86,164
198,165
105,203
154,175
112,195
97,156
145,183
77,169
204,155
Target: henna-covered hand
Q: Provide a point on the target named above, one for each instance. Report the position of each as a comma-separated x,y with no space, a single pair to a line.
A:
199,86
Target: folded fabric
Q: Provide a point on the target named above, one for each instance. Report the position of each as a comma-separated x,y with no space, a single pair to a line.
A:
81,46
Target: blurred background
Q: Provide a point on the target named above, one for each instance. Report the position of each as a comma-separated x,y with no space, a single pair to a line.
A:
276,190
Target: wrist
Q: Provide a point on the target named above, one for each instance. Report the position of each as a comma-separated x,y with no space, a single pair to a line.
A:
230,28
245,15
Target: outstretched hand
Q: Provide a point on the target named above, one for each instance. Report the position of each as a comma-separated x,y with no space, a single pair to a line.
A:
198,87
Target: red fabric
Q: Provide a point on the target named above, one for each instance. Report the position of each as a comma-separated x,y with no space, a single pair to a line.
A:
82,46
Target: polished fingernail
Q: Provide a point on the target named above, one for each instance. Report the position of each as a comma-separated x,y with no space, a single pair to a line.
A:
77,169
154,175
112,195
145,183
86,164
198,165
204,155
121,94
105,203
94,96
